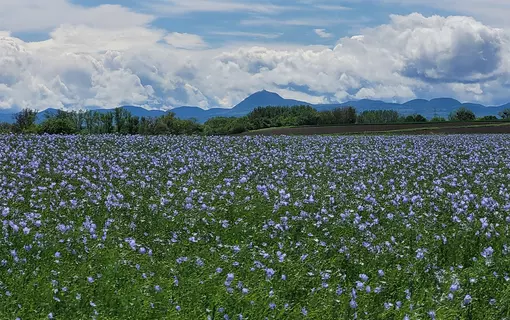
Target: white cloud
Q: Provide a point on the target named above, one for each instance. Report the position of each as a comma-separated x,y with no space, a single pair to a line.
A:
408,57
247,34
176,7
71,38
323,34
332,7
489,11
185,40
301,96
313,22
26,15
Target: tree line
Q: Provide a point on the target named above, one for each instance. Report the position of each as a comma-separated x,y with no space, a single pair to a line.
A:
121,121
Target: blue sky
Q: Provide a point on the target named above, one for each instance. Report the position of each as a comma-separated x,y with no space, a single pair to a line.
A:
213,53
280,21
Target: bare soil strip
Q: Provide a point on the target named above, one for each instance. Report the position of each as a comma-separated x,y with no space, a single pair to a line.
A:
413,128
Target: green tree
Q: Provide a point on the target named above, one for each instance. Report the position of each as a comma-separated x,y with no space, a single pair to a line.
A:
378,116
223,125
121,117
438,119
415,118
462,114
505,114
488,118
107,122
58,125
24,121
133,125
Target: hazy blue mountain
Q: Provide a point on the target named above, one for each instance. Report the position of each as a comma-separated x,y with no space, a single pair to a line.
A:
259,99
6,117
200,114
136,111
415,103
262,99
428,108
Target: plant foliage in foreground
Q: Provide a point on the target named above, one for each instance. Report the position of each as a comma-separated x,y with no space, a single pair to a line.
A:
109,227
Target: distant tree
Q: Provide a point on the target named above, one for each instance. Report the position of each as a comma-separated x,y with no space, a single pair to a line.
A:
378,116
121,117
325,118
159,127
133,125
266,117
224,125
144,126
438,119
505,114
488,118
409,119
462,114
419,118
106,122
414,118
344,115
24,121
58,125
187,126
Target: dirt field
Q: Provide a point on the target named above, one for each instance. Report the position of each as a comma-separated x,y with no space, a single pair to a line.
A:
413,128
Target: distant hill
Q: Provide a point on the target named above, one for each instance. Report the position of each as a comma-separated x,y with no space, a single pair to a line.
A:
137,111
259,99
264,98
6,117
428,108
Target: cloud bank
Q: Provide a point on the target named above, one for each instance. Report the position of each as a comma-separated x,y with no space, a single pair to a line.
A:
110,65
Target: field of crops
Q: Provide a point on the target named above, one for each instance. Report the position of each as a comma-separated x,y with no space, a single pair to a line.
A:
367,227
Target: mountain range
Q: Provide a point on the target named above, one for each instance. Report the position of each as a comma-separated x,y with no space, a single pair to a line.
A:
429,108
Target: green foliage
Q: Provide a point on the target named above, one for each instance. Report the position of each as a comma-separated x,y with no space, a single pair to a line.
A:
488,118
5,127
414,118
344,115
121,121
378,116
25,121
269,117
58,125
225,125
462,114
505,114
437,119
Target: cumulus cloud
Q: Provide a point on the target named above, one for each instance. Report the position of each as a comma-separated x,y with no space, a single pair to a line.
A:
411,56
323,34
185,40
445,49
27,15
489,11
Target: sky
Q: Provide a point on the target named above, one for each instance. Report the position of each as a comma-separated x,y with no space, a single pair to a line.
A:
162,54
